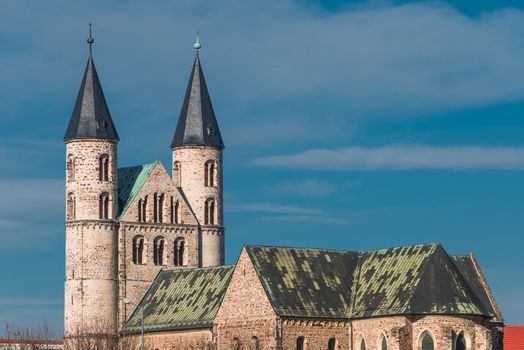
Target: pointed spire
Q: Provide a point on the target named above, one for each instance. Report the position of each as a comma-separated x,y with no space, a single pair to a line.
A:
91,118
197,124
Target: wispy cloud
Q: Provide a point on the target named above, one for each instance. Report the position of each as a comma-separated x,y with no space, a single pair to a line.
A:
271,208
307,187
288,213
401,157
316,219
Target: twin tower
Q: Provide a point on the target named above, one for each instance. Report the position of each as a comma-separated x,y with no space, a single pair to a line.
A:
123,225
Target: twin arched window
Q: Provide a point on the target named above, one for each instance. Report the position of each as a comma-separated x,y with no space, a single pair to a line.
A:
138,250
158,251
209,212
103,168
71,207
180,247
103,206
209,173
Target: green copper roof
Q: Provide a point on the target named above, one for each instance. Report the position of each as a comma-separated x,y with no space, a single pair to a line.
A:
130,181
305,282
182,299
419,279
468,271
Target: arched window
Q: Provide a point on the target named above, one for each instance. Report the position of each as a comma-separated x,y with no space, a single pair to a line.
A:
362,344
138,250
460,343
103,206
144,210
139,210
155,207
384,343
300,343
71,207
158,251
103,168
161,208
174,211
235,344
209,173
180,248
332,343
209,214
427,342
70,168
177,171
255,343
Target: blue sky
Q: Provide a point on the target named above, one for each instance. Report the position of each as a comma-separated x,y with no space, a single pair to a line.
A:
351,125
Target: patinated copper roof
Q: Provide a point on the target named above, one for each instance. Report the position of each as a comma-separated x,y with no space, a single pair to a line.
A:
419,279
182,299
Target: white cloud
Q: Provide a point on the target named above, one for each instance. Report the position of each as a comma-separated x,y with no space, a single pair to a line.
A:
401,157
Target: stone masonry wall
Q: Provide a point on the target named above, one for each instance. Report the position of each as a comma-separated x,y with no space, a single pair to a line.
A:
316,333
135,279
397,331
198,339
91,243
190,176
246,311
443,328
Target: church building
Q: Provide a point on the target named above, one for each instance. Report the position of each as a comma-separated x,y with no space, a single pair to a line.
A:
145,255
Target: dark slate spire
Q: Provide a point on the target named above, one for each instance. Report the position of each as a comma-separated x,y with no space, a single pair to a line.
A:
91,118
197,124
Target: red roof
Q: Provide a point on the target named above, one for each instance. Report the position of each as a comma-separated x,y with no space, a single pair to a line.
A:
514,338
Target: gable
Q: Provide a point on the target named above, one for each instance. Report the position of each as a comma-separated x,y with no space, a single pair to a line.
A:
245,296
140,181
305,282
182,299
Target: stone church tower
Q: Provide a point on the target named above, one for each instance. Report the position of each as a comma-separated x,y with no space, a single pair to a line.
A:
91,229
124,225
197,149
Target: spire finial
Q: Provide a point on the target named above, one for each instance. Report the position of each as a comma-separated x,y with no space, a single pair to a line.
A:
90,40
197,44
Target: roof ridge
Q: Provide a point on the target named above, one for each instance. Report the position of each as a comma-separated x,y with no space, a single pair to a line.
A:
302,248
139,165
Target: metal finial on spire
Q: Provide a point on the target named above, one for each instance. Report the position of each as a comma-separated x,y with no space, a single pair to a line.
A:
90,40
197,44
